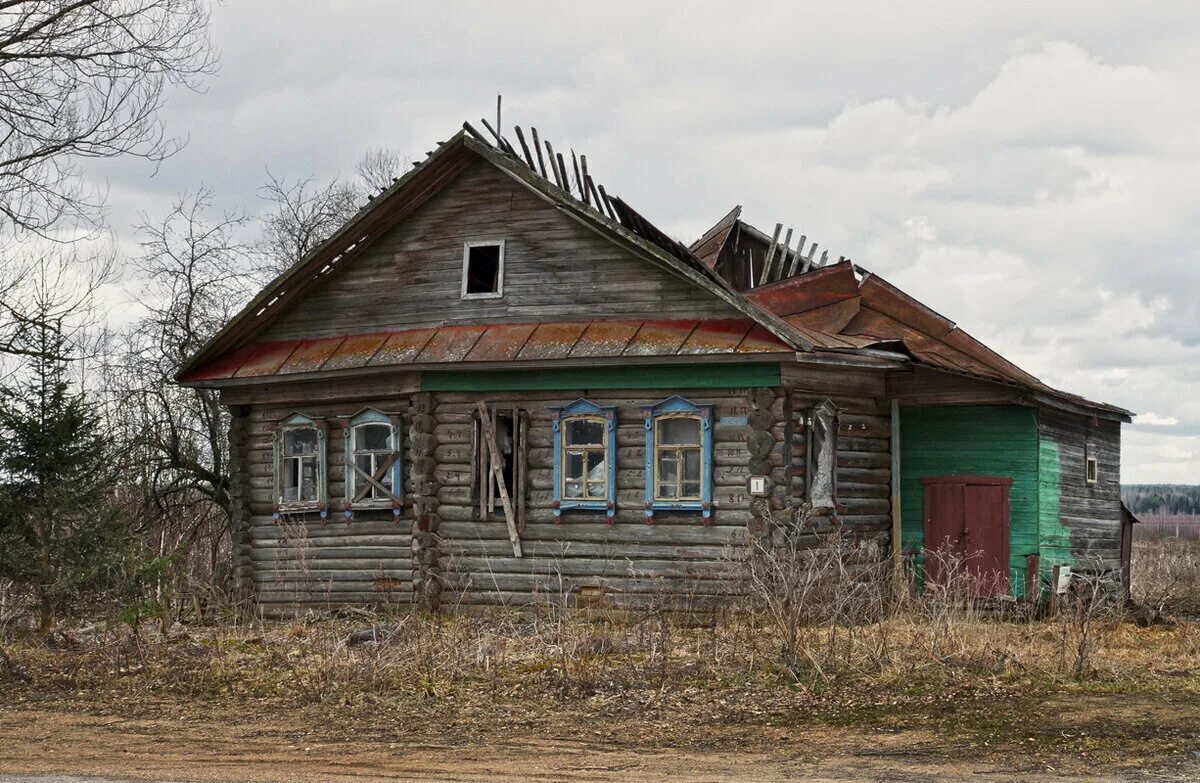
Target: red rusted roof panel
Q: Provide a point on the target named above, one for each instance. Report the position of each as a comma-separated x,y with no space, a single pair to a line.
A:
310,355
402,347
500,343
812,289
552,341
605,338
223,366
885,298
355,351
716,335
759,340
967,344
831,318
266,359
451,344
659,338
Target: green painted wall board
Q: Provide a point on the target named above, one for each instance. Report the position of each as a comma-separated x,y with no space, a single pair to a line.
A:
979,440
681,376
1055,539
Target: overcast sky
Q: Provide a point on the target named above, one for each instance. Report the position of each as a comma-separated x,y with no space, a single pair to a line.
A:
1031,174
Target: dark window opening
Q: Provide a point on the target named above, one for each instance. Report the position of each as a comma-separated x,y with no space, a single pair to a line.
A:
510,426
483,269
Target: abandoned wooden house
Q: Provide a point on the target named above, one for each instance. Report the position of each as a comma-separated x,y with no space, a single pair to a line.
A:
498,383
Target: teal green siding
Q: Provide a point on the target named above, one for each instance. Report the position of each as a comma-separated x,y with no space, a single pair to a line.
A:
977,440
693,376
1055,539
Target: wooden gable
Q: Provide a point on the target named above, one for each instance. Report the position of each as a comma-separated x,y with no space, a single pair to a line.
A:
555,269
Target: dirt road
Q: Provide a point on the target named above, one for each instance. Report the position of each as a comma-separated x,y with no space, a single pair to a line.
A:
38,742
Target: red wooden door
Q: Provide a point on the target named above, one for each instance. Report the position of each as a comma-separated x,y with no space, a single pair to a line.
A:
966,527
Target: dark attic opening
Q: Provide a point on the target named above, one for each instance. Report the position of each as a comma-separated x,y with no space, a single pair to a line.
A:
481,276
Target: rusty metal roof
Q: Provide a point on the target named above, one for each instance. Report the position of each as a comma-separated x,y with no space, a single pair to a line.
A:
496,343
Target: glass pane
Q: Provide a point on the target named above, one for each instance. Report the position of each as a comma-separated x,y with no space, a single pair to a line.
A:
595,489
691,465
690,489
585,432
300,441
308,478
372,437
678,431
596,466
574,488
668,472
574,467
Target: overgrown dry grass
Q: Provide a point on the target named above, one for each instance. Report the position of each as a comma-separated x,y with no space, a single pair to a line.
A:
812,623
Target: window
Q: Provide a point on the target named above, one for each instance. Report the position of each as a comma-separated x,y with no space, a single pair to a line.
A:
299,451
372,449
483,270
1091,466
678,457
585,456
511,426
821,471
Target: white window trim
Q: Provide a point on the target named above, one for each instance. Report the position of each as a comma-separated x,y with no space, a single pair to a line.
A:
499,292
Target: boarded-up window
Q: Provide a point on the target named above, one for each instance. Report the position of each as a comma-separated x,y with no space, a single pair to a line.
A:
512,431
821,470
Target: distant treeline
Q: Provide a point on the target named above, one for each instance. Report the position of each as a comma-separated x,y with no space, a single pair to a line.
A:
1162,498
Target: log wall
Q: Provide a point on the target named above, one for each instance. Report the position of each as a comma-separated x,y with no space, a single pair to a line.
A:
304,561
443,553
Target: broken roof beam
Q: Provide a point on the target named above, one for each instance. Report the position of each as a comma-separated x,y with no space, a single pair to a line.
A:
524,147
537,145
796,259
766,271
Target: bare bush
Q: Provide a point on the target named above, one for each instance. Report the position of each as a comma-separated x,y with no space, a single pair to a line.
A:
1166,576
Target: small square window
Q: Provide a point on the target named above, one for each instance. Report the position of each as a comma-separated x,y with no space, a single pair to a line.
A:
483,270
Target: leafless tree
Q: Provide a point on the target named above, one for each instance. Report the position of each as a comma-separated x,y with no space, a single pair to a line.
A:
304,213
86,79
378,168
194,271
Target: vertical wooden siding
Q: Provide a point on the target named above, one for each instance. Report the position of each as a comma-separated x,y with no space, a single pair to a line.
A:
984,440
554,269
1080,522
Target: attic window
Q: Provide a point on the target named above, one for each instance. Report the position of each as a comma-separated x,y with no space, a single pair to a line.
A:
483,270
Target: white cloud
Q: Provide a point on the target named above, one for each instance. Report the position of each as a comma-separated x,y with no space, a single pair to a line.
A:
1026,170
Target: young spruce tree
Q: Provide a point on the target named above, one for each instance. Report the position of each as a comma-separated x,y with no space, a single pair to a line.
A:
63,538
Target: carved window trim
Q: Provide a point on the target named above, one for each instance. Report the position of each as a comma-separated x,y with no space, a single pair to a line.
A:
679,407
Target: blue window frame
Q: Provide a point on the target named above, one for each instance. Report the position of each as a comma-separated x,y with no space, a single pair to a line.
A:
373,463
679,450
585,458
299,455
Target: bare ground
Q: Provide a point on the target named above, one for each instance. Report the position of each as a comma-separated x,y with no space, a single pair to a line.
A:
1081,736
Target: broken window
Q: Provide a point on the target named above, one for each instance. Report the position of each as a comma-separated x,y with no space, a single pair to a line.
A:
483,270
299,465
678,456
585,452
821,473
372,450
511,427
